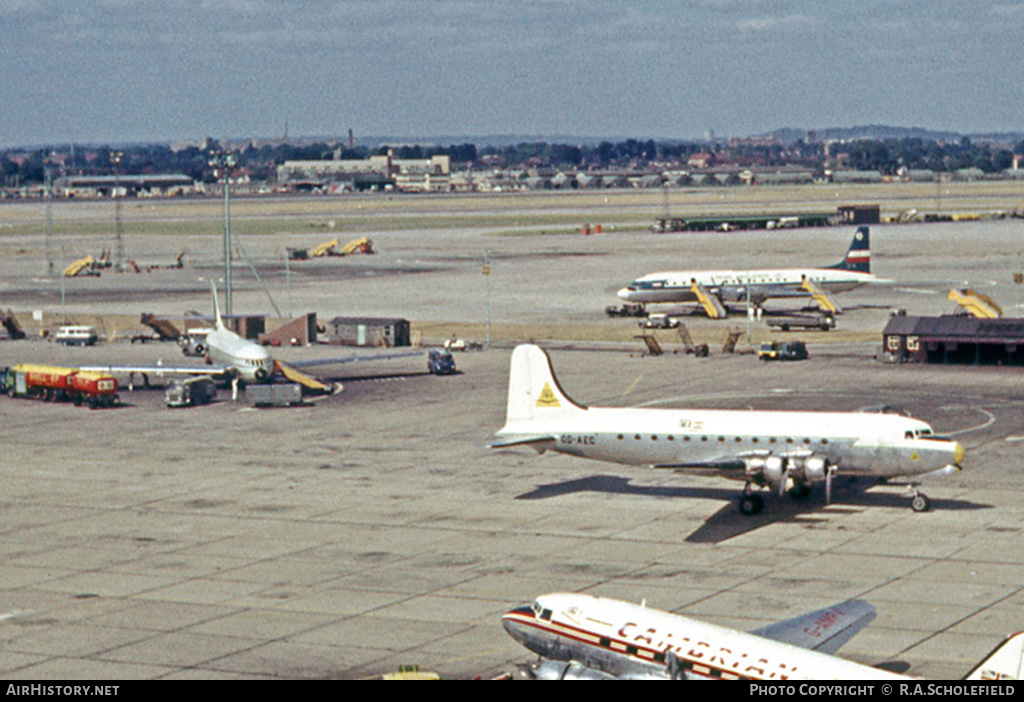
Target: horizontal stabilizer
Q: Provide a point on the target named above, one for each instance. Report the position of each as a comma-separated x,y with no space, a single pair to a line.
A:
825,630
521,441
1005,663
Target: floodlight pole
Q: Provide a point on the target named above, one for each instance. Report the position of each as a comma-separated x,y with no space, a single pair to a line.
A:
223,163
115,159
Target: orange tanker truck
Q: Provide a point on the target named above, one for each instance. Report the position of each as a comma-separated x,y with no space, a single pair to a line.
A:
57,384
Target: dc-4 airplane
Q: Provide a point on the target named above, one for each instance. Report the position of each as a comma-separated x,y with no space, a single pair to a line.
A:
771,449
713,289
228,354
585,637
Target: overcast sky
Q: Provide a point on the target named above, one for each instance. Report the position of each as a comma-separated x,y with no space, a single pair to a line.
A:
161,70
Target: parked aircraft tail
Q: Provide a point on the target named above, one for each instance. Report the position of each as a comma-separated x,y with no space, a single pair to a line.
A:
1004,663
216,305
533,391
858,256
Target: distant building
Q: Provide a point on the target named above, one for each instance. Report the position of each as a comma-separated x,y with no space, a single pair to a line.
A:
124,186
410,175
369,331
954,339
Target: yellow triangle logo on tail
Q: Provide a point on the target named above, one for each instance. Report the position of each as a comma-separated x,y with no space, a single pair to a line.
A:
547,397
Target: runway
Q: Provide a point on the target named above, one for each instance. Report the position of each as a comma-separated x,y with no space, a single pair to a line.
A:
375,529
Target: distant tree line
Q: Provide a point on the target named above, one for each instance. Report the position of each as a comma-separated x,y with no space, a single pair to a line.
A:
891,155
887,156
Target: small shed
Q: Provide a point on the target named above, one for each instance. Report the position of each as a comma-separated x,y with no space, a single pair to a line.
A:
369,331
954,339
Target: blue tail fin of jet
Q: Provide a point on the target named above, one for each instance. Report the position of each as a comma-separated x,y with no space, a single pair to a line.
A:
858,256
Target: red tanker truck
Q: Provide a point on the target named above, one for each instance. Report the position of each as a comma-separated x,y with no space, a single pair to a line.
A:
57,384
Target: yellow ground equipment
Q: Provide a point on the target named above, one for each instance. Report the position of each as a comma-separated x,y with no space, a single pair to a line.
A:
976,303
82,264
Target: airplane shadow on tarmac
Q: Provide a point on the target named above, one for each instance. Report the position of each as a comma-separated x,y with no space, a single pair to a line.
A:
848,495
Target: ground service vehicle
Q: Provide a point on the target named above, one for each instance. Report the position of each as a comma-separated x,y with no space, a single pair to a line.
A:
440,362
191,392
57,384
782,351
77,336
659,321
273,394
822,322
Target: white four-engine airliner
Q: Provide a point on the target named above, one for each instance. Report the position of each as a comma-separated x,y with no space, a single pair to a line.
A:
772,449
756,286
581,637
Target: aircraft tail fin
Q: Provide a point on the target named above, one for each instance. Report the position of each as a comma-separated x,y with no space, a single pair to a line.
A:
1006,662
216,305
533,392
858,256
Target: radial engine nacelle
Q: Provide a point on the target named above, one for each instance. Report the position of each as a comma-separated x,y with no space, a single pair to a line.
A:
776,471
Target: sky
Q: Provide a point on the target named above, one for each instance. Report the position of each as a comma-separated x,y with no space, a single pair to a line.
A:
124,71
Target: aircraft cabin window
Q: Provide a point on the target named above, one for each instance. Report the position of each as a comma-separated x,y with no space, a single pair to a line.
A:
738,439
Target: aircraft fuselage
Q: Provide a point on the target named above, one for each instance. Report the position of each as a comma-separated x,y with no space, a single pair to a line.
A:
249,360
858,443
732,285
624,640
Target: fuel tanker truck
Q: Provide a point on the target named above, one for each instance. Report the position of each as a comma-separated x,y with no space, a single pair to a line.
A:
56,384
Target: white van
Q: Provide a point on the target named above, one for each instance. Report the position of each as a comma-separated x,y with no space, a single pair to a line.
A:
77,336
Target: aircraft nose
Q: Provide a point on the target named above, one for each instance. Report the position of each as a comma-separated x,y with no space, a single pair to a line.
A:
513,621
958,452
624,294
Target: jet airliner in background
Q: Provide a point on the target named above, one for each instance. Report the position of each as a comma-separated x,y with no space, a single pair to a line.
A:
714,288
777,450
228,354
582,637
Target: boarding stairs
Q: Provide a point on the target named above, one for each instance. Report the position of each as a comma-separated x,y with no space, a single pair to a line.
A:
712,305
824,300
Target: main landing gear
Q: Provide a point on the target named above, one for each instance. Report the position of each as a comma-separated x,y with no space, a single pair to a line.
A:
751,503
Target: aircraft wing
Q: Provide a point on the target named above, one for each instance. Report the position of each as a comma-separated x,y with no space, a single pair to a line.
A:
824,630
736,461
159,370
724,463
353,358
